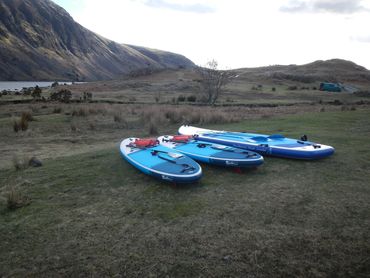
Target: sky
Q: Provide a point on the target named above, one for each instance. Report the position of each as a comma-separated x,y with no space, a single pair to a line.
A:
235,33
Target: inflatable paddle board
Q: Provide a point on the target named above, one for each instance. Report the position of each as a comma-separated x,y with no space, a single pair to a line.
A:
160,162
205,152
272,145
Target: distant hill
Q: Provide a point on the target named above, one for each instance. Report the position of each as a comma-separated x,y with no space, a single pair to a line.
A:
40,41
335,70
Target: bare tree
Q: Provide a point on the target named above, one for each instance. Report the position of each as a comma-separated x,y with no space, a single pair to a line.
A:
213,81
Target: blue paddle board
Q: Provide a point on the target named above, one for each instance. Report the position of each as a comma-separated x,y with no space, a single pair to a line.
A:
272,145
160,162
216,154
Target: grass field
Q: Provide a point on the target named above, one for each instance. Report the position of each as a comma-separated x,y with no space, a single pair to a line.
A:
92,214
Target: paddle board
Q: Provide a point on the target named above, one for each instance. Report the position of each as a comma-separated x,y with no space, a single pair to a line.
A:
272,145
153,159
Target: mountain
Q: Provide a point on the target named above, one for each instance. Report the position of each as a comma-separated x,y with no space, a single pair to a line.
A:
40,41
334,70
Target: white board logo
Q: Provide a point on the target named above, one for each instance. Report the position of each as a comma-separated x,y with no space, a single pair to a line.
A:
231,163
167,178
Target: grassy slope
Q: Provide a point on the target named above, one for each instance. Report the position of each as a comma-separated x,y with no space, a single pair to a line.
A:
93,214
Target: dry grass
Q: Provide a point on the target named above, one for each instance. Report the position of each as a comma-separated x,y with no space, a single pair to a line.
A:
153,128
189,115
15,199
22,123
20,162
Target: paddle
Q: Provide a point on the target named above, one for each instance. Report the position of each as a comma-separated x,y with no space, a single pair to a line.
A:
187,167
226,149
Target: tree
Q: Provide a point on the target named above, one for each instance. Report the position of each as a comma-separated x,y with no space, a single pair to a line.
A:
213,81
36,93
63,95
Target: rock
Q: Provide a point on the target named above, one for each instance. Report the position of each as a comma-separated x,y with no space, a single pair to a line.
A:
227,258
35,162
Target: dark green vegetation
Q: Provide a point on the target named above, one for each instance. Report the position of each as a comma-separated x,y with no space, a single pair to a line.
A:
40,41
93,214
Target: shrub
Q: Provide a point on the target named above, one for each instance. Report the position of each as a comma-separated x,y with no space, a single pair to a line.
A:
292,88
63,95
337,102
273,89
192,98
362,93
36,93
181,98
57,110
55,84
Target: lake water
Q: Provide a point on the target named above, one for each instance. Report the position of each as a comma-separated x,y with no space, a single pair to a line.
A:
18,85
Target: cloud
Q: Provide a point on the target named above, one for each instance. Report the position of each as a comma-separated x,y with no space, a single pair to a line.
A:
364,39
328,6
192,8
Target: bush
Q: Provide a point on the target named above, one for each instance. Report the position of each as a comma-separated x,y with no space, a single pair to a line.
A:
57,110
337,102
292,88
36,93
55,84
362,93
192,98
181,98
63,95
273,89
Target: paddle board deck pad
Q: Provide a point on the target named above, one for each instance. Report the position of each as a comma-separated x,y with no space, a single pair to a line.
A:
272,145
206,152
153,159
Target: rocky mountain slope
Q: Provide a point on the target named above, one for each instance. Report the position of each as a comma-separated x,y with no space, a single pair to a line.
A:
40,41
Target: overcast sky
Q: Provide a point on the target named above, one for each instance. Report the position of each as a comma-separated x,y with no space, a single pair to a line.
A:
236,33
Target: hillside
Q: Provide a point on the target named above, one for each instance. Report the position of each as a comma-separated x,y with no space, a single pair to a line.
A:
40,41
335,70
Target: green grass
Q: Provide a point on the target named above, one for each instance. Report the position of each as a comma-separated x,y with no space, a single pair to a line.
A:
93,214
